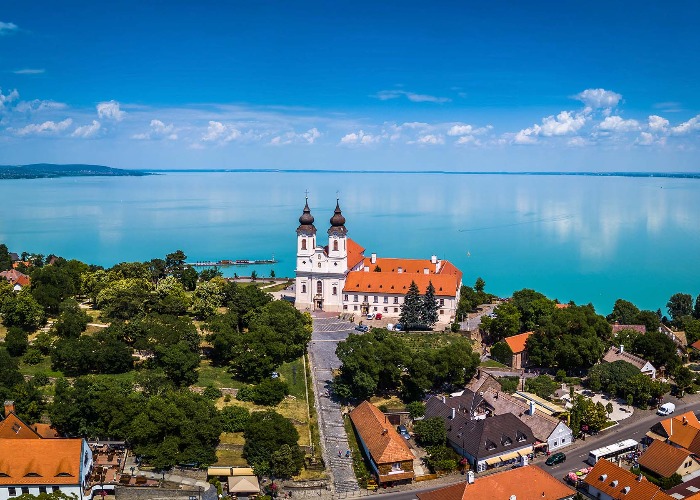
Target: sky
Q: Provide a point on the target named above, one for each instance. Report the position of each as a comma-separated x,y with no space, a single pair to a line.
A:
397,85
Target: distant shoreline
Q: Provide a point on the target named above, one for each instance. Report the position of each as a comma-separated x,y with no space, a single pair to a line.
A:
669,175
54,171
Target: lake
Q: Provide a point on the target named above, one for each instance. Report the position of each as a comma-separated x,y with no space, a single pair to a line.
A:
582,238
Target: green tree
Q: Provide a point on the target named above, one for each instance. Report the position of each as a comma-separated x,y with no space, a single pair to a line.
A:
441,458
535,309
624,313
411,308
683,377
287,461
502,353
696,309
170,297
542,385
210,272
124,298
189,278
234,418
51,285
16,341
479,285
657,348
455,364
429,306
175,263
649,319
505,324
5,259
208,296
253,275
266,434
416,409
269,392
23,311
430,431
680,305
72,320
178,362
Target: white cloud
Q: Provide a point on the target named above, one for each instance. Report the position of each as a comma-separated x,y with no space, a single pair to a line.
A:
87,131
658,124
466,134
618,124
8,98
385,95
158,130
37,105
669,106
577,142
48,127
217,131
645,139
686,127
430,139
526,136
7,28
308,137
599,98
29,71
110,110
359,138
565,123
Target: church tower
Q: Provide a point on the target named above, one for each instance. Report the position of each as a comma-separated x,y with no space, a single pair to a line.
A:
306,236
338,241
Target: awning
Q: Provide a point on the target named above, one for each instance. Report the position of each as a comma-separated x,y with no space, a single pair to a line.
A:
510,456
654,435
493,460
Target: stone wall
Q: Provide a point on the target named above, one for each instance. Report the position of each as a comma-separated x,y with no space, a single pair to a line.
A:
136,493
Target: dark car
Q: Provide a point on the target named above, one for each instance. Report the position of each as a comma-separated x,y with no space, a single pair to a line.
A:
362,328
557,458
403,431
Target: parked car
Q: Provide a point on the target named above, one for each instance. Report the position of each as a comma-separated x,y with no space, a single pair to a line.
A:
398,327
557,458
666,409
378,316
362,328
403,431
370,316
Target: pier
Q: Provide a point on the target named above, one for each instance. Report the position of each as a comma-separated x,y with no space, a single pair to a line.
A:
230,262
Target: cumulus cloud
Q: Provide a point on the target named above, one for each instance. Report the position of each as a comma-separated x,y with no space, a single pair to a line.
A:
618,124
599,98
308,137
38,105
430,139
658,124
48,127
110,110
7,28
385,95
686,127
217,131
565,123
158,130
29,71
645,139
87,131
8,98
359,138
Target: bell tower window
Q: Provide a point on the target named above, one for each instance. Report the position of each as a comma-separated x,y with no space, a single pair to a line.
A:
303,288
303,244
335,245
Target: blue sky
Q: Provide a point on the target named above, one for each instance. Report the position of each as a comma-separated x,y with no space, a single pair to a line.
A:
458,85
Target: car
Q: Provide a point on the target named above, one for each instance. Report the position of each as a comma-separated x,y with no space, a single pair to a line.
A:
362,328
557,458
398,327
403,431
378,316
370,316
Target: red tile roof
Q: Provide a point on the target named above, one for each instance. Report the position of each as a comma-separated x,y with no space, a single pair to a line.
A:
383,442
637,328
524,483
517,342
695,345
13,428
355,253
663,458
620,483
16,278
40,461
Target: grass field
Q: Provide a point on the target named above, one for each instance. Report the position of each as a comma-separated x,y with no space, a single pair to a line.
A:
43,367
215,376
490,363
418,341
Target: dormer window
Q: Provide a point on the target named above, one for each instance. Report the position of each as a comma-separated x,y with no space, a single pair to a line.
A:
32,474
520,437
506,440
490,445
16,427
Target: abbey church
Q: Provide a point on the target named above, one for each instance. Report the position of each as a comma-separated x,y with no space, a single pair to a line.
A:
339,278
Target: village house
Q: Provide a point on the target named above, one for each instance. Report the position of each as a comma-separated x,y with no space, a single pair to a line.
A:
607,481
678,336
619,354
390,458
617,327
486,441
522,483
664,460
40,465
517,345
339,278
17,280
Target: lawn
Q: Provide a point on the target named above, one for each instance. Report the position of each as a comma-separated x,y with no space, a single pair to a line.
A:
490,363
43,367
215,376
419,341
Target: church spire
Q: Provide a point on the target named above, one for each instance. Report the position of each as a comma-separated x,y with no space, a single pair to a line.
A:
306,221
337,221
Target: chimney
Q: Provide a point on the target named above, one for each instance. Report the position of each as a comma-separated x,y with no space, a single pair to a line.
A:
373,258
385,432
640,477
533,407
470,477
614,483
9,408
433,259
454,412
366,269
513,497
426,270
622,348
603,477
443,398
400,270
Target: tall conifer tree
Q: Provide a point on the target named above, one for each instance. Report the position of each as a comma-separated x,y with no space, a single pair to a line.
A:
411,309
429,306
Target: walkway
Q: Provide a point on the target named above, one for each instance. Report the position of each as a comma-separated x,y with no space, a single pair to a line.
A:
328,331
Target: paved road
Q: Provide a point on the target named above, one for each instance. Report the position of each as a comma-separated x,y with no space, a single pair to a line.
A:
328,331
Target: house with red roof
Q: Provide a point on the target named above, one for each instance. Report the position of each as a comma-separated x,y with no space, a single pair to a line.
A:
338,277
17,280
517,345
389,456
607,481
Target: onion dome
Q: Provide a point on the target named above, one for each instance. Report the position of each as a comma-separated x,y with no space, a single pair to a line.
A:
337,222
306,221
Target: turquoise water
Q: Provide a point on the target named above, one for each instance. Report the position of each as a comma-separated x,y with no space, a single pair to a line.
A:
587,239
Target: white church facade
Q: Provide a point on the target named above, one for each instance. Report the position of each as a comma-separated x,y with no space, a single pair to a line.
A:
339,278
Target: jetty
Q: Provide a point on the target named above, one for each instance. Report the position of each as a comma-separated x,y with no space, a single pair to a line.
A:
231,262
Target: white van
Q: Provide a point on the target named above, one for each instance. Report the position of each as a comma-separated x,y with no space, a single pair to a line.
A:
666,409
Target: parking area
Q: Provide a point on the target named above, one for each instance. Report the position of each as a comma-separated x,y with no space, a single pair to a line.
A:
621,410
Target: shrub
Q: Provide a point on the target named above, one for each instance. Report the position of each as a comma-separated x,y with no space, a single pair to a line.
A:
211,392
416,409
234,418
40,379
509,384
269,392
32,356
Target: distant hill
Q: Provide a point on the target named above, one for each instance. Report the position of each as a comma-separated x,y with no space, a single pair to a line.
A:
49,170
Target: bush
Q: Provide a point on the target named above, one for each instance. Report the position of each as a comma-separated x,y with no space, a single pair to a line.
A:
416,409
32,356
16,341
234,418
40,379
269,392
431,431
211,392
509,384
441,458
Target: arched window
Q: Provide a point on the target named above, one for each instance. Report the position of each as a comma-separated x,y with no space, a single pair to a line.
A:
319,287
303,288
335,290
335,245
303,244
